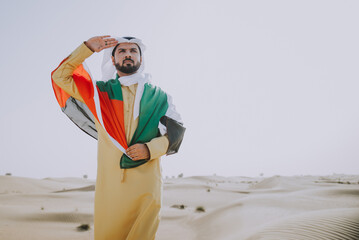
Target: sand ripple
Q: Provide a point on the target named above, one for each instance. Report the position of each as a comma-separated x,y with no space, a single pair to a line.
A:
337,224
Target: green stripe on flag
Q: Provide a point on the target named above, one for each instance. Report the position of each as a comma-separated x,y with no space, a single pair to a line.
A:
153,106
112,87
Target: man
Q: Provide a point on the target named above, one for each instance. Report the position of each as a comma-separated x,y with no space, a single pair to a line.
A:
134,122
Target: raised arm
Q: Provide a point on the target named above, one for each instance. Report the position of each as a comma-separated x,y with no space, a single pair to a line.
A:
63,74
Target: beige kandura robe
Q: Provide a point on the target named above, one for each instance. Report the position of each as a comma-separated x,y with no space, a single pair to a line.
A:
127,201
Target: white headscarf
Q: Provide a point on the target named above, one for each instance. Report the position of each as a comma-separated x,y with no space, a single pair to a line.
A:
107,67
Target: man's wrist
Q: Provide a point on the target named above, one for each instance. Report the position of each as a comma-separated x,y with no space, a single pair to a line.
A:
85,42
149,152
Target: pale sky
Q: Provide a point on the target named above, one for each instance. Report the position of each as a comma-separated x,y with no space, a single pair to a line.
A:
262,86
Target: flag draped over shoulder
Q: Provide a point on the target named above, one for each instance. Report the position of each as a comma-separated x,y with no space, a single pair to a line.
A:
82,113
103,101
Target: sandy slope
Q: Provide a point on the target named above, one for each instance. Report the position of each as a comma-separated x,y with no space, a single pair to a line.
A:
299,207
43,209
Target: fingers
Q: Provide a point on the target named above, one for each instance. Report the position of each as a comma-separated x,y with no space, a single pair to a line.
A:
110,40
137,152
135,156
132,150
108,43
104,38
107,46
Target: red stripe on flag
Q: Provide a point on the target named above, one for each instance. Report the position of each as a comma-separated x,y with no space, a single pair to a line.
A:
113,119
61,95
84,85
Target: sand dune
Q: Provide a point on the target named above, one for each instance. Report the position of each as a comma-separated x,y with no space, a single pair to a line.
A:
194,208
324,224
10,184
82,189
244,214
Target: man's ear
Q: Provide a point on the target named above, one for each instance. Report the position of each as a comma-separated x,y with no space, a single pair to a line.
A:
113,60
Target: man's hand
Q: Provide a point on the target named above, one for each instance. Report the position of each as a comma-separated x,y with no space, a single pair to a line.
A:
97,44
138,151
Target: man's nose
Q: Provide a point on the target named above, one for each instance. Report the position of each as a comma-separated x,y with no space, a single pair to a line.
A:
128,56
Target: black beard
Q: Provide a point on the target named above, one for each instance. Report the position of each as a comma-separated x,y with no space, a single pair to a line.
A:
127,68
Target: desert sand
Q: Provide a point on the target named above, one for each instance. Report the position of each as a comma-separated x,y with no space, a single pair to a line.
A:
194,208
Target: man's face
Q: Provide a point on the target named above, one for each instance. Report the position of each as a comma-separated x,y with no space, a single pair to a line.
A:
127,58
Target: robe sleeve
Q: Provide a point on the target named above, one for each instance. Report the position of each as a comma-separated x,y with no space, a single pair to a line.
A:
158,147
63,75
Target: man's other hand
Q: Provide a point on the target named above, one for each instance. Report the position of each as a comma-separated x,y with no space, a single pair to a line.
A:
138,152
97,44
